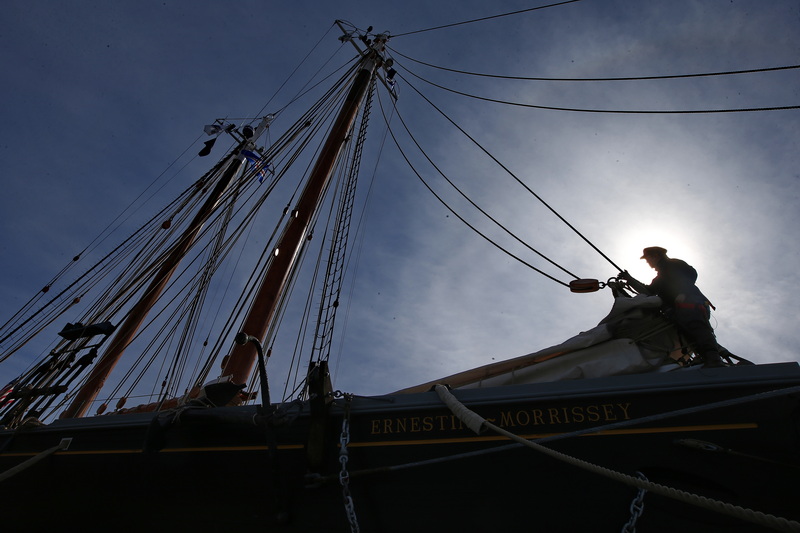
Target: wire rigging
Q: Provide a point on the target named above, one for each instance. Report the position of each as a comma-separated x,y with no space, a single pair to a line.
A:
516,178
176,324
609,111
461,218
625,78
355,255
172,329
485,18
289,77
476,206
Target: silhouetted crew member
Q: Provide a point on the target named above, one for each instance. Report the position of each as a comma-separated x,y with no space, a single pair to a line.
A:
674,284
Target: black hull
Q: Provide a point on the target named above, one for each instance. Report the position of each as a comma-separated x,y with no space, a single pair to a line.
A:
213,468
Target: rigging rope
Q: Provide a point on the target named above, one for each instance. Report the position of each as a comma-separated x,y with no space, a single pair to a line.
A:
608,111
88,248
470,226
518,180
355,256
482,211
82,281
600,111
627,78
63,445
477,423
178,318
320,113
596,430
485,18
334,274
289,77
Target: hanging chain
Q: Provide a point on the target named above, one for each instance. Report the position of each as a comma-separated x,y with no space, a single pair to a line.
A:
637,508
344,475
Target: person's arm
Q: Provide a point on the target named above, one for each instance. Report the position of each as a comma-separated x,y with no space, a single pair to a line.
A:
635,284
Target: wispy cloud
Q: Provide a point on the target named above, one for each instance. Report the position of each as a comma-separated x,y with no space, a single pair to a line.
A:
721,191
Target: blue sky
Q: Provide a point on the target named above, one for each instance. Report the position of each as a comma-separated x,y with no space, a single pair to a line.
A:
99,98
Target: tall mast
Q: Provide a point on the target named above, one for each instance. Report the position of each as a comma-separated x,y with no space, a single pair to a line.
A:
264,306
134,319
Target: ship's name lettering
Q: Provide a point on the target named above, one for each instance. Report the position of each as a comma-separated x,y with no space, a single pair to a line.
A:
547,416
604,412
415,424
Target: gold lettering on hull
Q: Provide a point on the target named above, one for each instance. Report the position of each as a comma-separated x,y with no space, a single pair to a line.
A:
415,424
507,418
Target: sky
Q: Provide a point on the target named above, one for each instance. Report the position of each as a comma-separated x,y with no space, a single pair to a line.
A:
99,97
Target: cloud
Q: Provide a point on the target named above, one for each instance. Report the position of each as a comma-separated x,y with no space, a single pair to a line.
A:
720,191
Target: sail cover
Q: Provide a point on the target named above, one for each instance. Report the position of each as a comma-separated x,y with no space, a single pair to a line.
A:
633,338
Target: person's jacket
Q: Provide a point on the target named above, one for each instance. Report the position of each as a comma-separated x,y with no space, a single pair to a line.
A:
675,277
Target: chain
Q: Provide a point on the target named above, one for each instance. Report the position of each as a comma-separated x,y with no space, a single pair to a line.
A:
637,508
344,475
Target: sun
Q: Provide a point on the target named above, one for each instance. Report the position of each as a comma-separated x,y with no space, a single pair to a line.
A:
681,241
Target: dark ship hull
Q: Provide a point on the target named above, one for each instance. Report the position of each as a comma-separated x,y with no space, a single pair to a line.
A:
214,468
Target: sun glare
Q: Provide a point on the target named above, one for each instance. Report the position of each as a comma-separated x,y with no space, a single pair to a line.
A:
680,241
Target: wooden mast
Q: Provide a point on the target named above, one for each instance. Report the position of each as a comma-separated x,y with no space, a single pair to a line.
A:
240,363
134,319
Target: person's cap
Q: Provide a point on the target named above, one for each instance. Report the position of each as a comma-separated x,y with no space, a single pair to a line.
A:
653,250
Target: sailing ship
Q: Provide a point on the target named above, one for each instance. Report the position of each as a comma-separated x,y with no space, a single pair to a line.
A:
574,437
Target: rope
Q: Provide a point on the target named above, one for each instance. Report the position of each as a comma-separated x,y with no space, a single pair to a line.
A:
508,171
476,206
485,18
585,431
474,421
63,445
609,111
628,78
464,221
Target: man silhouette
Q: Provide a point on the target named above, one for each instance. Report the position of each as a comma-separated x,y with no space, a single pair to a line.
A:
674,284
